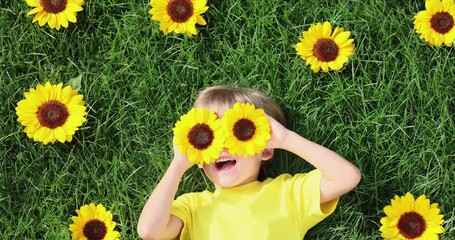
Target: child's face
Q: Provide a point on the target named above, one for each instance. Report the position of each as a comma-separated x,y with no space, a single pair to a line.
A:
229,170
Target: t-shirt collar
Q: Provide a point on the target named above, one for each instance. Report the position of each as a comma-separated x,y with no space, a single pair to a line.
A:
238,189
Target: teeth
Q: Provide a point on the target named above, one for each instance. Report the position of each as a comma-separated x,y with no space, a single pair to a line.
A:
224,160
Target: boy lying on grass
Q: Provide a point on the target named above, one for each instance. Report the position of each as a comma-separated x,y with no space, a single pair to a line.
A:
242,207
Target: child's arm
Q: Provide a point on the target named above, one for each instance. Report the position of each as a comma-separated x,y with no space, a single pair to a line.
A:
156,221
339,175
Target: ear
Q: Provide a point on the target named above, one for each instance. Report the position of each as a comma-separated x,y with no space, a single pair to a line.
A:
267,154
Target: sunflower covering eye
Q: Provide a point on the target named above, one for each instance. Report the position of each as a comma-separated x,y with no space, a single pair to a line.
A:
51,113
436,24
324,49
247,129
93,222
408,218
179,16
198,134
56,13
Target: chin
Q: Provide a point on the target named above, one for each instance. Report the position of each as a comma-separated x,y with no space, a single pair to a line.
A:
226,183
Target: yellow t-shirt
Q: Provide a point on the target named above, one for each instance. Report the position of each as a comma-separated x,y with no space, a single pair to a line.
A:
281,208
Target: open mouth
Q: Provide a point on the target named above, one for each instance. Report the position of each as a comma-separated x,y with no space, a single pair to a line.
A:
224,164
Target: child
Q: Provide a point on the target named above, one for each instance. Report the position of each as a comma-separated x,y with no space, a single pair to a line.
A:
242,207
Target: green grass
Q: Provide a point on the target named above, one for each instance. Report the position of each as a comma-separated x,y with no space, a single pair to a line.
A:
390,110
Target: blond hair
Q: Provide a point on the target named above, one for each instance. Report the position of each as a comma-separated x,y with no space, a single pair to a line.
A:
223,97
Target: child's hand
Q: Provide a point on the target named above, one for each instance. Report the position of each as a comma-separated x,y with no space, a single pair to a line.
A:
181,159
278,134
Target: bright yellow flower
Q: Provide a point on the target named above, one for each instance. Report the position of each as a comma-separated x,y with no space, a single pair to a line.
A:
51,112
322,48
408,218
55,13
198,134
247,129
436,24
179,16
93,222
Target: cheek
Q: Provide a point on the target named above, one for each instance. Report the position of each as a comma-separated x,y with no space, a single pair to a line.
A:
253,164
207,171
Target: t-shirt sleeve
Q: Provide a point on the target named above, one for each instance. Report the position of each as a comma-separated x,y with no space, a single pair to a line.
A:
305,196
181,208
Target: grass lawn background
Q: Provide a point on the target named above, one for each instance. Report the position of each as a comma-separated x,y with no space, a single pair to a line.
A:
390,110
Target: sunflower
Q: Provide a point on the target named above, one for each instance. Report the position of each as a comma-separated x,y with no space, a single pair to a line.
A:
51,112
93,222
411,219
322,48
55,13
247,129
436,24
179,16
198,134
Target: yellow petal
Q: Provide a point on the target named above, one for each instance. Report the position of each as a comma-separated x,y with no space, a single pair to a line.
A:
73,7
422,205
342,38
200,20
52,21
43,18
60,134
326,30
70,16
35,10
62,19
33,3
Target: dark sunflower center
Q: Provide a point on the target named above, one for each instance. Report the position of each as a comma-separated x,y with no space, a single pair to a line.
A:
180,10
325,50
244,129
411,225
95,230
201,136
52,114
442,22
53,6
